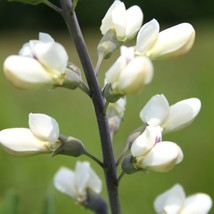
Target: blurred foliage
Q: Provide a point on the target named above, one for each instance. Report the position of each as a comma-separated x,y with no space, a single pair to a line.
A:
90,12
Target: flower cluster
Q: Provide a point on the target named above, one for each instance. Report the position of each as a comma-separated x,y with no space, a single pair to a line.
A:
134,69
148,150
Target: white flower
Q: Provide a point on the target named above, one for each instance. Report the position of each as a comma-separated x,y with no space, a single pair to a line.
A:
174,201
171,42
40,62
129,74
126,23
41,136
76,183
158,112
153,154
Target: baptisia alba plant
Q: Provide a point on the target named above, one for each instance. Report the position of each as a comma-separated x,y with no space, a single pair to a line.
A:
169,43
128,74
174,201
150,153
45,63
41,136
40,63
125,23
158,112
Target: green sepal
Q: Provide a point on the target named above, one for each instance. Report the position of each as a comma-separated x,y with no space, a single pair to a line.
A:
70,146
33,2
108,44
111,98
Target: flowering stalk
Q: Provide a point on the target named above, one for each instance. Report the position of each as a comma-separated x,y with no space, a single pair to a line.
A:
98,102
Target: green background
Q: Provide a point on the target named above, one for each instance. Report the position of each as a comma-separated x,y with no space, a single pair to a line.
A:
188,76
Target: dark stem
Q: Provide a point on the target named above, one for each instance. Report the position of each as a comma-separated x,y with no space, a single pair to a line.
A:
98,102
93,158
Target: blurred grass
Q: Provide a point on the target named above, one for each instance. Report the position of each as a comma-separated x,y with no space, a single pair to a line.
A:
189,76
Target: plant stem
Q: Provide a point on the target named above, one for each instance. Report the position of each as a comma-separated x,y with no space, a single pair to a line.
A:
93,158
98,102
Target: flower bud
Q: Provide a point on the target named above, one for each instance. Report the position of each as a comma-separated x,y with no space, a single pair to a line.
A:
169,43
41,137
125,23
129,74
40,63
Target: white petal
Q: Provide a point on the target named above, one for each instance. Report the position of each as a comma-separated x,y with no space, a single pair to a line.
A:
147,36
82,177
94,182
44,126
51,55
173,41
86,178
44,37
25,72
26,51
21,141
171,201
145,141
113,73
107,20
181,114
134,20
64,181
199,203
155,111
119,21
162,157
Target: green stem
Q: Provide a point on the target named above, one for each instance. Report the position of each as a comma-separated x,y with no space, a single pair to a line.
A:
98,102
53,6
93,158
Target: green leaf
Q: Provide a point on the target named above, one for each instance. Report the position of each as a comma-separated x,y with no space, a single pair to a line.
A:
33,2
49,206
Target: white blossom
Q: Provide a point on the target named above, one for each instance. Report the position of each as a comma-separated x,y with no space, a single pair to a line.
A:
172,42
158,112
41,136
39,63
174,201
129,73
151,153
126,23
76,183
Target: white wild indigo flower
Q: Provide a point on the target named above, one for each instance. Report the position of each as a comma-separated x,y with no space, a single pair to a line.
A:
125,23
153,154
39,63
158,112
129,73
172,42
174,201
41,136
76,183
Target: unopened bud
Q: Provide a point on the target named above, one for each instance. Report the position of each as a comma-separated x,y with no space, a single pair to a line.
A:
128,166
